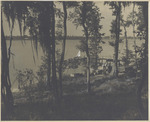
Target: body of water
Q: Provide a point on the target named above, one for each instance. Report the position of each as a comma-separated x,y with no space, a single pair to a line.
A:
24,55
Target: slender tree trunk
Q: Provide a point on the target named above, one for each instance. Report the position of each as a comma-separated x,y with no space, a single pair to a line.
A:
87,48
9,54
88,74
127,50
8,76
4,66
54,79
117,38
133,25
88,63
96,55
88,60
7,96
49,39
63,48
49,67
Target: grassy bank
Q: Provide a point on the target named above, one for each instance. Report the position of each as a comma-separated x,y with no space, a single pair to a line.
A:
111,99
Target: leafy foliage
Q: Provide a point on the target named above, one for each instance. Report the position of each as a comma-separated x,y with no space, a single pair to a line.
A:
130,58
88,14
25,78
114,29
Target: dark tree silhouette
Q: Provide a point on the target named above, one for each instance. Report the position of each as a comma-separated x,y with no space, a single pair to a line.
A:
63,47
143,30
54,78
117,6
88,16
6,93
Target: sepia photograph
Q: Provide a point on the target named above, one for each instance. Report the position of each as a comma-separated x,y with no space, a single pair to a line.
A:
74,60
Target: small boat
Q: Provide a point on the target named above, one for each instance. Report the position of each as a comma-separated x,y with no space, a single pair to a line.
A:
79,54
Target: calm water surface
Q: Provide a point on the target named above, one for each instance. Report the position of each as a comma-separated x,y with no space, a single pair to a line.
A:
24,54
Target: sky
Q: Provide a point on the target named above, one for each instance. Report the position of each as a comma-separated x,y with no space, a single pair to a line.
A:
72,31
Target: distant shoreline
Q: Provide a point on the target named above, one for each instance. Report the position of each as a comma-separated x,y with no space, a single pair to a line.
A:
68,38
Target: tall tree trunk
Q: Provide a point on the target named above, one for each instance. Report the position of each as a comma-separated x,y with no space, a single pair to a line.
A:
49,67
88,60
87,48
49,50
88,74
63,48
45,35
127,50
133,25
145,14
49,40
6,93
9,52
54,79
96,55
117,38
144,70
